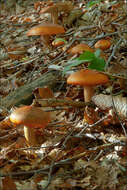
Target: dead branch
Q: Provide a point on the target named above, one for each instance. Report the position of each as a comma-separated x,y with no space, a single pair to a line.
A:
24,93
54,102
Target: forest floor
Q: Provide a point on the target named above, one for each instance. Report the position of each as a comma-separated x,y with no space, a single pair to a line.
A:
85,144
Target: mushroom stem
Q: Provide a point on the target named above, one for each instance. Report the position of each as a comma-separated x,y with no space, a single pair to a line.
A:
46,41
88,93
54,16
29,134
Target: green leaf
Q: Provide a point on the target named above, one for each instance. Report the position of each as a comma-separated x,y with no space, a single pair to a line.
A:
96,62
87,56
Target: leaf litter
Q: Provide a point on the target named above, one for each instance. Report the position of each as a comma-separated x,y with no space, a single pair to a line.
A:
83,147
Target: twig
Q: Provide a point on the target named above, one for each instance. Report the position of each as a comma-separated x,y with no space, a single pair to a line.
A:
92,125
100,37
24,92
53,162
114,75
53,102
97,38
113,53
38,147
12,76
20,63
11,135
59,56
86,27
100,153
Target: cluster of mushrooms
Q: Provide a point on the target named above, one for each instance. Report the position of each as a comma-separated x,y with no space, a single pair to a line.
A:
34,117
46,29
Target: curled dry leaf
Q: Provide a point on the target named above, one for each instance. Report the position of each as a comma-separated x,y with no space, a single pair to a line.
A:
106,101
45,92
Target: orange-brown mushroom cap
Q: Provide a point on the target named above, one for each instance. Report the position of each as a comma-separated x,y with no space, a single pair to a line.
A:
46,29
102,44
87,77
30,116
80,48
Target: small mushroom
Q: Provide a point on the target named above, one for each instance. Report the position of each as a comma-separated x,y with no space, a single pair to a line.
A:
54,10
58,42
88,79
31,117
80,48
45,30
102,44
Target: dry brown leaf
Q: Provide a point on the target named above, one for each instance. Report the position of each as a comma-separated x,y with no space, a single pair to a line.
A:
8,183
45,92
16,52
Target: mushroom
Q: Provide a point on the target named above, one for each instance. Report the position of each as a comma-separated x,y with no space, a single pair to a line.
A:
58,42
80,48
88,79
102,44
55,9
45,30
30,117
